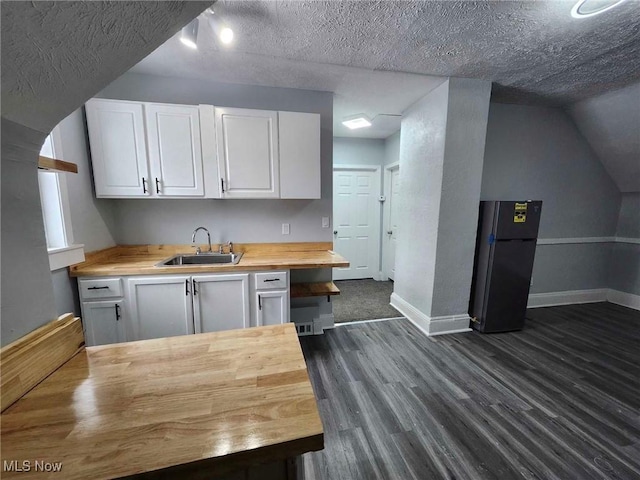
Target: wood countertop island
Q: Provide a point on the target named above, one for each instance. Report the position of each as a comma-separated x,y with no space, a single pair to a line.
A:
142,259
195,406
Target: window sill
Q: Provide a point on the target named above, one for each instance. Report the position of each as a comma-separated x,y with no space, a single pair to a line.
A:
63,257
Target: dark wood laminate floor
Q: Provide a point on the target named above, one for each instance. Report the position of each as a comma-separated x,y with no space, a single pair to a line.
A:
558,400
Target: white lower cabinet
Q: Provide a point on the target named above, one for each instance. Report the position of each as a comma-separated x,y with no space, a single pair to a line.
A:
220,302
160,306
272,307
104,322
270,292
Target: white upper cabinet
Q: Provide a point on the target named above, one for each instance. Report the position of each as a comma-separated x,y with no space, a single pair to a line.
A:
247,144
145,149
118,148
299,154
175,157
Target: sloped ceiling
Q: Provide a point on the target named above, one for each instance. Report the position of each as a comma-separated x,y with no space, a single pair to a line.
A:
611,124
56,55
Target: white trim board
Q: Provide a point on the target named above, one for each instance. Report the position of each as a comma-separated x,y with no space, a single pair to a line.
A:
625,299
578,240
374,320
431,325
573,297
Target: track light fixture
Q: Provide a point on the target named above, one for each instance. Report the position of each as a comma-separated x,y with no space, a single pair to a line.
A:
222,31
189,34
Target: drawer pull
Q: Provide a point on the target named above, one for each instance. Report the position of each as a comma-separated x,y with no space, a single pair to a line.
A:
271,280
98,288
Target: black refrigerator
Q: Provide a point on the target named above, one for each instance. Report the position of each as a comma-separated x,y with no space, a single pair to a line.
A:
505,249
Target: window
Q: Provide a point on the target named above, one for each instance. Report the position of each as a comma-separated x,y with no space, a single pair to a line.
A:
55,209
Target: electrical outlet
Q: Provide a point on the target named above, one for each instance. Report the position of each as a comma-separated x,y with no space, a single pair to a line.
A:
325,222
285,229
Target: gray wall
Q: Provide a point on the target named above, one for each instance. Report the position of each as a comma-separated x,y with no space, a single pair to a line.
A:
624,271
421,157
537,153
92,219
358,151
392,149
27,293
172,221
441,156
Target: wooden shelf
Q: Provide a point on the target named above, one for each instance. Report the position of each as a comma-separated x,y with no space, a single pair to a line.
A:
316,289
47,163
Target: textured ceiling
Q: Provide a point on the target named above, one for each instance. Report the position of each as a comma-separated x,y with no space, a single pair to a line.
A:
533,51
611,125
56,55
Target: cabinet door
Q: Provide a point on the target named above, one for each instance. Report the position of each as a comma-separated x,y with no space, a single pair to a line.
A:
103,322
175,156
248,153
118,148
159,306
272,307
299,143
220,302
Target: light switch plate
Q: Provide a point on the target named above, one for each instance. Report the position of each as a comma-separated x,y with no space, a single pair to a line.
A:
325,222
285,229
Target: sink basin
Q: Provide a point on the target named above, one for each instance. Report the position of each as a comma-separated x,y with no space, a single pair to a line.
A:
201,259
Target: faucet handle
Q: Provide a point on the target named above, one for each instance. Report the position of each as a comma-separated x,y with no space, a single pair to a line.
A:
230,247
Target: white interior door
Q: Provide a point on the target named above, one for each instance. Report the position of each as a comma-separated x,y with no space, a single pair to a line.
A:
391,221
356,221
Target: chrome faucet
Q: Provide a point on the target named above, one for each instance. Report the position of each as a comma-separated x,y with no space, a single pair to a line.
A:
193,240
228,244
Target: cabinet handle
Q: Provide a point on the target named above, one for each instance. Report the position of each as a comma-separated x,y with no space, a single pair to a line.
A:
157,185
271,280
259,302
144,185
222,184
335,232
98,288
117,312
195,290
186,287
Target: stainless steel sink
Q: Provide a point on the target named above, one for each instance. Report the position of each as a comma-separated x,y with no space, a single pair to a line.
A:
200,259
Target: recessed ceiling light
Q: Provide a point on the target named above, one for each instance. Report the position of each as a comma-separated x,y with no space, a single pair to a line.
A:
189,34
226,35
589,8
357,121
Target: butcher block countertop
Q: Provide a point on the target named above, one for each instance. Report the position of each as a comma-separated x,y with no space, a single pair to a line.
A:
142,259
219,401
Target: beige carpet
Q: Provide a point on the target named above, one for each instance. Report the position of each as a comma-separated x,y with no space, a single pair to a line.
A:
363,300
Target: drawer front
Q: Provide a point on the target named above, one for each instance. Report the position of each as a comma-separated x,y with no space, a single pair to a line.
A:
271,280
100,288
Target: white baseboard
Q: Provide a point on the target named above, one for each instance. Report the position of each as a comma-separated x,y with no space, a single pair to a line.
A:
431,325
573,297
570,297
623,298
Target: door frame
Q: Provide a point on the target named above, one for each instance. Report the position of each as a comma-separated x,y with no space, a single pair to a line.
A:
386,217
377,169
